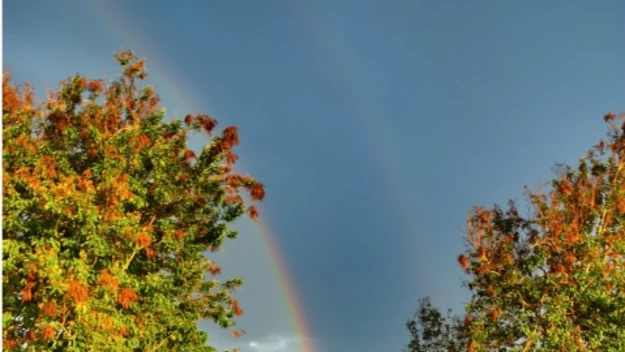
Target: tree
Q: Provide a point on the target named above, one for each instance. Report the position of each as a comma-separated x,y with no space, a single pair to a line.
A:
431,331
553,279
107,216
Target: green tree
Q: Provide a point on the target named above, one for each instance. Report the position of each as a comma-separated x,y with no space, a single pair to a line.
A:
430,331
553,279
107,216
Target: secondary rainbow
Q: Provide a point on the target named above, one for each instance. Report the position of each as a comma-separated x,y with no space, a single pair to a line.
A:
338,59
115,21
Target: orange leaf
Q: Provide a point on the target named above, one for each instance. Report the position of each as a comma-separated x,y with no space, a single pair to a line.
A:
188,120
214,270
77,292
464,261
49,309
252,212
143,240
48,333
126,297
257,191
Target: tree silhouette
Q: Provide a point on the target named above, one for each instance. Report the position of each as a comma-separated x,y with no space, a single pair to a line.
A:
430,331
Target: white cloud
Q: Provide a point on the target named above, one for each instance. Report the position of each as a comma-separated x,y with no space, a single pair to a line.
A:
275,343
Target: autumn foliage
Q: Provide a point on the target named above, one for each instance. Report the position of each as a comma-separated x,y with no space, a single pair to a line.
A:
552,279
107,215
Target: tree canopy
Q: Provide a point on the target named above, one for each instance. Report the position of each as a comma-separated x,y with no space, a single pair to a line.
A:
107,216
549,280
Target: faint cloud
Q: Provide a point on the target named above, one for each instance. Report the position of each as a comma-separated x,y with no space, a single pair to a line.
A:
275,343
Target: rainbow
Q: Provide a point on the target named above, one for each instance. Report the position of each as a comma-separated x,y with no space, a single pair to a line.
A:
115,21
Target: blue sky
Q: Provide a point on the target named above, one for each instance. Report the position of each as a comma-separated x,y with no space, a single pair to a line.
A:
375,126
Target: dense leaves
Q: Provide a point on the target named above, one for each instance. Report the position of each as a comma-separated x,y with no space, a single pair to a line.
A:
554,279
107,215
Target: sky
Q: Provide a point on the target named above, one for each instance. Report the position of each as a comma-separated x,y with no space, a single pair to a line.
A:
375,126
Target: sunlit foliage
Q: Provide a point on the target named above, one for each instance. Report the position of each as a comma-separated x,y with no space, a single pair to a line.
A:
107,215
554,279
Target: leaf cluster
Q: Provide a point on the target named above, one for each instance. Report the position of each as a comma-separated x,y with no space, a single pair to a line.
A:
553,279
107,215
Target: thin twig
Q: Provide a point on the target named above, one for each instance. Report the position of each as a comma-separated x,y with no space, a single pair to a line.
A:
605,207
160,344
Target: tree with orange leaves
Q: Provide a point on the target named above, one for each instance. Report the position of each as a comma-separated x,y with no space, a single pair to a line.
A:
107,215
550,280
